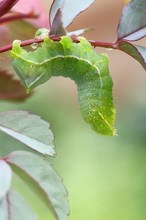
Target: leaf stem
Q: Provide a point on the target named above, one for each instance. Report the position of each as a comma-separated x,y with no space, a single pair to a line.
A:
112,45
17,16
56,38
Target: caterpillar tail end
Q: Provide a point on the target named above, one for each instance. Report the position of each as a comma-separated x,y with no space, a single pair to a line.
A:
102,127
101,122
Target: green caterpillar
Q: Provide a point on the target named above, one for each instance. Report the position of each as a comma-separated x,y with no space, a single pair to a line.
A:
79,62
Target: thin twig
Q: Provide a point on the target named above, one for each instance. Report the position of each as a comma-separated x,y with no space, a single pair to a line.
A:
56,38
17,16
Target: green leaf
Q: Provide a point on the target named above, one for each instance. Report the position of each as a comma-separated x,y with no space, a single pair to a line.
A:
69,8
5,178
39,175
132,25
137,52
29,129
14,207
79,62
11,88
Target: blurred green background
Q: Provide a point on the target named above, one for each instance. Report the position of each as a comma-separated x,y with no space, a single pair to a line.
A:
105,176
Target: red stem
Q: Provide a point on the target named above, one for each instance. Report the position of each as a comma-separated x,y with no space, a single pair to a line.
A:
112,45
17,16
6,5
55,38
92,42
24,43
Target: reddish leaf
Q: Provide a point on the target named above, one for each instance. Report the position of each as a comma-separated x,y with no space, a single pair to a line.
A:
6,5
11,88
132,25
57,28
137,52
69,8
